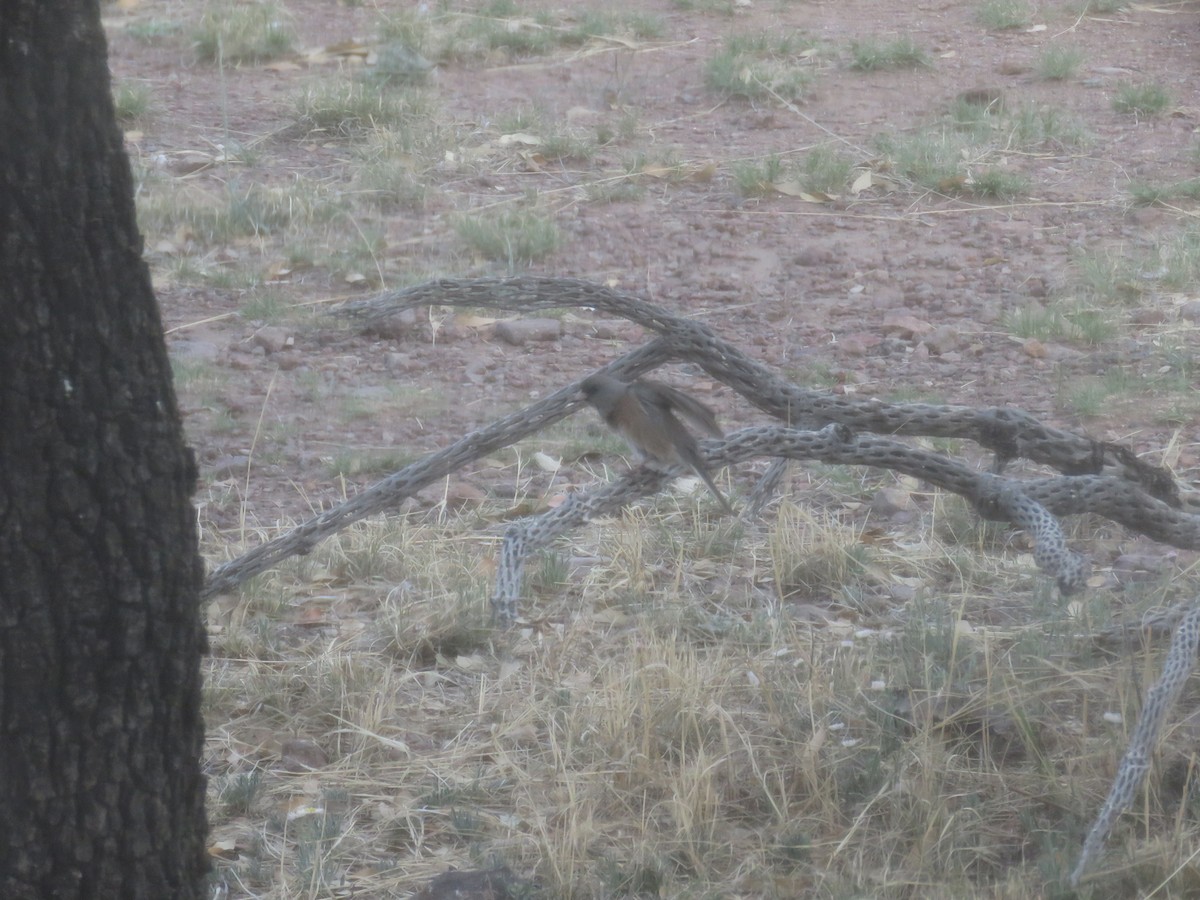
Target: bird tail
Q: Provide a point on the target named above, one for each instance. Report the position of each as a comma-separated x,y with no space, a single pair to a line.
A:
716,493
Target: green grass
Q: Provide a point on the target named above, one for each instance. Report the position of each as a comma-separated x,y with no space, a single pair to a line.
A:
502,27
756,178
1058,62
1031,127
151,32
762,65
133,102
978,121
516,237
999,184
932,159
231,34
1092,397
397,63
824,170
1001,15
1061,321
1119,276
873,54
238,210
1141,99
351,109
1145,193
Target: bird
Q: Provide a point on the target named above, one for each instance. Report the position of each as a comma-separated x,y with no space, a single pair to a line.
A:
644,414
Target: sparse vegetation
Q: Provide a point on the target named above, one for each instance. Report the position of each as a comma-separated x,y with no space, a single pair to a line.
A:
235,33
999,183
1146,193
1062,322
240,210
356,108
706,688
1000,15
931,159
871,54
133,102
153,31
1044,126
762,65
1058,62
515,237
756,178
1141,99
825,170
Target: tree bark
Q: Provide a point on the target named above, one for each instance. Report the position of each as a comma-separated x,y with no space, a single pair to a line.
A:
101,793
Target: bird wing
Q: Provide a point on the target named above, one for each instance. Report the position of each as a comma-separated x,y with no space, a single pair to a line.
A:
672,400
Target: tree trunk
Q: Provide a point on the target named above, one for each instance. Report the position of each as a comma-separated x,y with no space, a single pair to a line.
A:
100,637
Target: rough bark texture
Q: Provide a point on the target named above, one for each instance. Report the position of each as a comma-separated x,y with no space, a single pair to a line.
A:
100,638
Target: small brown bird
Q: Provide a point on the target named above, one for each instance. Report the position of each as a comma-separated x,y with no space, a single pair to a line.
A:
644,414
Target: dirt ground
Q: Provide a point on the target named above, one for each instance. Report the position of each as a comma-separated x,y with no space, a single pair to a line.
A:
1047,261
894,290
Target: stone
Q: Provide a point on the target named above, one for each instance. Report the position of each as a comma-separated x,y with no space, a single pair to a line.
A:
521,331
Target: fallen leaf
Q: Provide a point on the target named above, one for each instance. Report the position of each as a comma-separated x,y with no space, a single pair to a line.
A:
546,462
519,137
862,182
223,849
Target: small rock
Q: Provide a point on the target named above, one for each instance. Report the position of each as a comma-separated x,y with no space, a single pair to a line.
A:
288,360
905,326
301,755
887,502
479,884
852,345
397,326
1034,348
520,331
272,338
942,339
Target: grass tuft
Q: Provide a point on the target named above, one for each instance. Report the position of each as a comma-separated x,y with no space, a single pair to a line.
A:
515,237
357,108
872,54
251,32
1141,99
762,65
133,103
1002,15
1059,62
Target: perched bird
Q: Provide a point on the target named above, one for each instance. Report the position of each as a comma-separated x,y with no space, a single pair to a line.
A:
644,413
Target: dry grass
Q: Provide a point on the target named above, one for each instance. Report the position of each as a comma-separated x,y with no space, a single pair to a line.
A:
697,709
818,707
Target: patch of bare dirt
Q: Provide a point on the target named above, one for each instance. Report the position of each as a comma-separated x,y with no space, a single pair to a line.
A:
896,290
